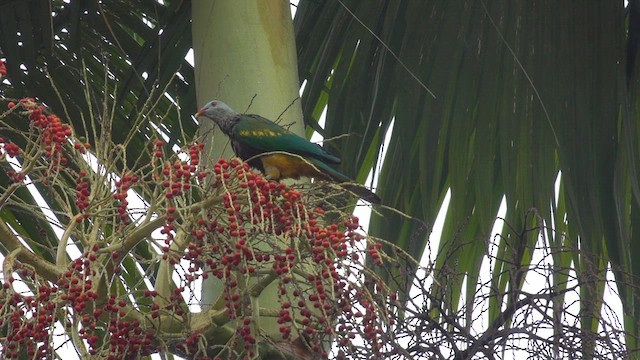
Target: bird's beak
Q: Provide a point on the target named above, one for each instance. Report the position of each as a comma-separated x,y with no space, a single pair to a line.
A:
200,113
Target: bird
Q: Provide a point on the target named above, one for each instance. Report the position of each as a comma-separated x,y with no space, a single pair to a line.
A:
276,151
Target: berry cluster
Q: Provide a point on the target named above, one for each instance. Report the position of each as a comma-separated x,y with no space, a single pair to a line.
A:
8,148
122,187
28,319
31,317
77,285
177,178
267,227
127,339
83,191
177,175
191,345
51,136
252,234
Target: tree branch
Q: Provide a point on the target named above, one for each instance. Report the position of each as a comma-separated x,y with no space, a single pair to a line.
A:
44,268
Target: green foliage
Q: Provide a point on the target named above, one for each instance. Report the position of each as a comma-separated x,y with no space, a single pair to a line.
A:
141,43
523,91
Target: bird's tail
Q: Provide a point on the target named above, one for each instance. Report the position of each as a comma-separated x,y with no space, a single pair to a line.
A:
344,181
362,192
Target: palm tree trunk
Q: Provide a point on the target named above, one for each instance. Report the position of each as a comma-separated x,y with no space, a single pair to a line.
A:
245,55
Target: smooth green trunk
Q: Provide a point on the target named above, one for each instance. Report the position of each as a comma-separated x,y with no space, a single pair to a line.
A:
245,56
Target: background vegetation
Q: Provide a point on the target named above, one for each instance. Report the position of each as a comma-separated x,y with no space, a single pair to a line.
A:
527,103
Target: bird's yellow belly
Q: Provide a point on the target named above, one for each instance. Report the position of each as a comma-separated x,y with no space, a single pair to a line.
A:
284,166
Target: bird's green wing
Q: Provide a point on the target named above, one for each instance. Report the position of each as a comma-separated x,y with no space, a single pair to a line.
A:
265,135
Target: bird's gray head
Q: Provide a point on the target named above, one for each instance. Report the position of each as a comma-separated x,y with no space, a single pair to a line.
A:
219,112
